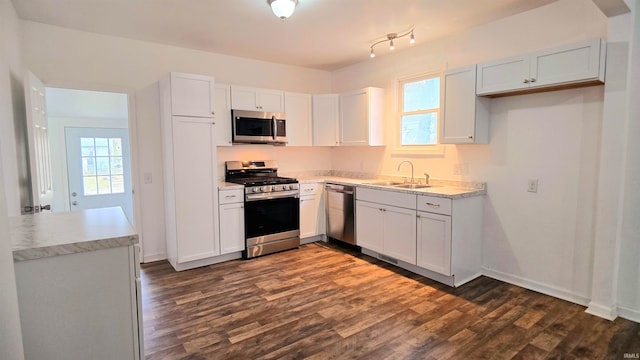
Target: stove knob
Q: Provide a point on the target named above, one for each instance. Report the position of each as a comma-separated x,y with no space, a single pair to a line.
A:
263,188
255,189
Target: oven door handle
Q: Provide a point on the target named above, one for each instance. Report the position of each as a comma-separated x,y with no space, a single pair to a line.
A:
273,195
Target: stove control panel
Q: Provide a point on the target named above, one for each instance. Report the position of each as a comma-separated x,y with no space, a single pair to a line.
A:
271,188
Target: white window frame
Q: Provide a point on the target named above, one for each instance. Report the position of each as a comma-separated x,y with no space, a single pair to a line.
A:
430,149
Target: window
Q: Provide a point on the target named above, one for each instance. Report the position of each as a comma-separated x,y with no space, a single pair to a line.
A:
419,110
102,171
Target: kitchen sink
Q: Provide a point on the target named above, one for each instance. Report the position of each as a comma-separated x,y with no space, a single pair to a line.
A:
412,186
385,183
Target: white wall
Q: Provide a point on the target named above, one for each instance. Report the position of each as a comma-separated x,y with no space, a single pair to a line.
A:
629,271
67,58
10,74
541,240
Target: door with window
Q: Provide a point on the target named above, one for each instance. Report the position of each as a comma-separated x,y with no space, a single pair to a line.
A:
99,169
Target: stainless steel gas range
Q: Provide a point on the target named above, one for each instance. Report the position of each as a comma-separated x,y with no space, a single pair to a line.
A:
271,209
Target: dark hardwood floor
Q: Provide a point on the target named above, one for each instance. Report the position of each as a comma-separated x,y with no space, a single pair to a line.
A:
324,302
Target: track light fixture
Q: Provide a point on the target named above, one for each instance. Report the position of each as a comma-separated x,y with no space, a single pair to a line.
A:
390,38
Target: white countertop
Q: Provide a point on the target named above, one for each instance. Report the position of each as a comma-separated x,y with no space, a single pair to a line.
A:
440,188
53,234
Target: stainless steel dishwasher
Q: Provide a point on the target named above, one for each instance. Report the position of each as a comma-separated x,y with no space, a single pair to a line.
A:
340,201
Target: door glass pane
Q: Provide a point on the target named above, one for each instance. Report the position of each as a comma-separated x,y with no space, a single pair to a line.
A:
104,184
89,184
88,166
115,147
102,147
116,165
87,147
117,184
102,165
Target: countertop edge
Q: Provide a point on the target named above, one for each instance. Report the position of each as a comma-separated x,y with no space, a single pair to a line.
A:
74,248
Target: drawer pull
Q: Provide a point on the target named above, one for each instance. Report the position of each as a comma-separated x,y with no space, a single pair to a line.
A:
229,196
433,205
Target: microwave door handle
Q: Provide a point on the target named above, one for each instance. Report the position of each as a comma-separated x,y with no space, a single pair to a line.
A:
275,127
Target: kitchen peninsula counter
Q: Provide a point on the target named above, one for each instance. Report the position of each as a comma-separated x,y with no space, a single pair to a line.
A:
44,235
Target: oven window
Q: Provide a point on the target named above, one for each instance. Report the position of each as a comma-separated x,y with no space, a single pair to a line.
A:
264,217
253,127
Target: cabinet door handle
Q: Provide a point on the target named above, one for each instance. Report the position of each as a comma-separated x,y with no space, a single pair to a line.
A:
213,123
526,81
434,205
417,215
533,79
470,136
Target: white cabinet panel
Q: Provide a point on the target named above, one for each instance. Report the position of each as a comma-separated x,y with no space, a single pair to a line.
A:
298,110
249,98
192,95
361,117
502,75
434,242
399,233
578,64
194,169
369,226
465,116
312,215
231,227
326,119
222,120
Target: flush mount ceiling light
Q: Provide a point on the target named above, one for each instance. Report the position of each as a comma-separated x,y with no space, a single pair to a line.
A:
283,8
390,38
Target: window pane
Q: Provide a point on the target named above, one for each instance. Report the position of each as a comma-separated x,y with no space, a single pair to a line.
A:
104,185
88,166
103,165
86,146
89,185
421,129
421,95
117,184
102,147
116,165
115,147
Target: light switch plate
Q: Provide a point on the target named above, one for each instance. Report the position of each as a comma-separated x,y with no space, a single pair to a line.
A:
532,185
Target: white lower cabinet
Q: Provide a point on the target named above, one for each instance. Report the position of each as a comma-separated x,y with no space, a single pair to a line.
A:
231,221
384,227
433,236
312,217
434,242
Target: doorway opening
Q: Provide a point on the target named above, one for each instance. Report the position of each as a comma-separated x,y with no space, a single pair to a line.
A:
90,150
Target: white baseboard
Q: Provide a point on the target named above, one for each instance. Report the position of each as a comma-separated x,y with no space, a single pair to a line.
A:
629,314
603,311
154,257
536,286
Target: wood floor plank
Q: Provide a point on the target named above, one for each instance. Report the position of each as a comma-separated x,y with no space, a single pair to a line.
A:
324,301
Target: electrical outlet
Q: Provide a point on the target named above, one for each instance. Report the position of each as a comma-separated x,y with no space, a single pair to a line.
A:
532,185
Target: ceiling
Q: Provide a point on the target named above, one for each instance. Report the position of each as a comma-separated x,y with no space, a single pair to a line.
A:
321,34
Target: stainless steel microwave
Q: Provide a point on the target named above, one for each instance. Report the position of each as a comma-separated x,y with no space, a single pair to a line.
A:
258,127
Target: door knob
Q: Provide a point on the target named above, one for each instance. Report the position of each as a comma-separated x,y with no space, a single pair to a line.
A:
74,203
74,194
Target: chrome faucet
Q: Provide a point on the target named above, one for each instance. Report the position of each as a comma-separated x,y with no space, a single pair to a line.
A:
410,163
426,179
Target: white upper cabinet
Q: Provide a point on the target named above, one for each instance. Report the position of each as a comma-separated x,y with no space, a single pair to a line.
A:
249,98
222,122
578,64
298,110
192,95
326,119
361,117
465,117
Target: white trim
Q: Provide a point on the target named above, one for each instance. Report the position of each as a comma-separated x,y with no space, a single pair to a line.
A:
536,286
136,185
629,314
154,257
603,311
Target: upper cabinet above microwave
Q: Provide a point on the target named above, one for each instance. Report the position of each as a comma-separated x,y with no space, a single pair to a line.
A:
575,65
255,99
191,95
